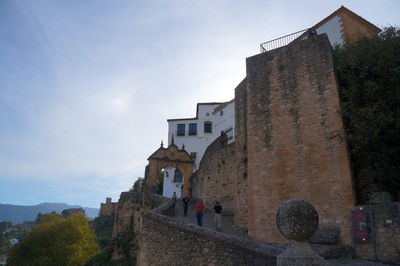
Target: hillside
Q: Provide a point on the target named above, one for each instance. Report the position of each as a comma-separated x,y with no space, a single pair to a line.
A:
18,214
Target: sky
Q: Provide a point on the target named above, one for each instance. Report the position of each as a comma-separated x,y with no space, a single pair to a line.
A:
87,86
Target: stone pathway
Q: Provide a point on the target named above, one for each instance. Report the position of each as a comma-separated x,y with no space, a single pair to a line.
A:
208,220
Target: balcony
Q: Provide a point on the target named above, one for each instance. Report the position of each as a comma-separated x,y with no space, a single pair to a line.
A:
281,41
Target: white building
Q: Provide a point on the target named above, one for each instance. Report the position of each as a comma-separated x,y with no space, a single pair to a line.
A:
198,132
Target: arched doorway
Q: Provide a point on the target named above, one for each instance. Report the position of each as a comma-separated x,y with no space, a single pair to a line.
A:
176,163
173,182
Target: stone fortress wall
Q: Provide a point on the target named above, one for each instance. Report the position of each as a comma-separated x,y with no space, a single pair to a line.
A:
222,174
107,208
286,116
292,117
215,180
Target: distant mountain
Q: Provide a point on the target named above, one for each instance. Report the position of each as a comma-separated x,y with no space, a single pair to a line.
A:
17,214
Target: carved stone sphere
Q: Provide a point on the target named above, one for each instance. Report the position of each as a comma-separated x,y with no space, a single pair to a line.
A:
297,219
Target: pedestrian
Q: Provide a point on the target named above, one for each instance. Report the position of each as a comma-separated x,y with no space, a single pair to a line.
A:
174,197
199,212
185,205
312,32
217,215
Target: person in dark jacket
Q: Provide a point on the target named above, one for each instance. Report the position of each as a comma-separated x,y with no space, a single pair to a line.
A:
185,201
217,210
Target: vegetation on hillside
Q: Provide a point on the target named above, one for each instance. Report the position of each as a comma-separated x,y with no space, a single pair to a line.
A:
56,241
368,73
103,226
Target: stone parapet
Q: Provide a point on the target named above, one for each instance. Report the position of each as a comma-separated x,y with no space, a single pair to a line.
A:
178,243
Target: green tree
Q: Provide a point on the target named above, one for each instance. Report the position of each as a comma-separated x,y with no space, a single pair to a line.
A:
138,185
368,73
103,226
56,241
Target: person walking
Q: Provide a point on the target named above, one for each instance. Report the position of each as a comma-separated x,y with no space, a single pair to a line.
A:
199,212
185,201
217,210
174,197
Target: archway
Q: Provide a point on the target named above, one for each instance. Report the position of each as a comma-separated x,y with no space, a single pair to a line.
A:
167,158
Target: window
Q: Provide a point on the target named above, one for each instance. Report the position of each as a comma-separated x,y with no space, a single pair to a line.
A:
221,113
207,127
178,178
192,129
180,131
193,155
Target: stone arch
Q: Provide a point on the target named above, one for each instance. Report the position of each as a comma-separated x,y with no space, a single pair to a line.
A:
170,157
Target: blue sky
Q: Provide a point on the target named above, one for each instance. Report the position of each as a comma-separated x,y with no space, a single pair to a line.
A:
86,86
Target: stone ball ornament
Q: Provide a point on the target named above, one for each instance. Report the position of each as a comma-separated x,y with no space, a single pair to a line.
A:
297,219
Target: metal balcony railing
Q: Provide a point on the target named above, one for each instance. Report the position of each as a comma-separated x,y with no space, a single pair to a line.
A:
281,41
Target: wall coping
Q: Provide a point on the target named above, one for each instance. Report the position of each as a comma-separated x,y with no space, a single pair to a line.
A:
157,214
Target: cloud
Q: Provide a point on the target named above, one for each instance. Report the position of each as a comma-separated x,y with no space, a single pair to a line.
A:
86,86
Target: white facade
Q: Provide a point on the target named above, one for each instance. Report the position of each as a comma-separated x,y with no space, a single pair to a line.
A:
173,181
333,28
215,116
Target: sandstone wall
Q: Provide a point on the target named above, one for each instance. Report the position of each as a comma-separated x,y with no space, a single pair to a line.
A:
222,174
128,222
129,210
216,178
387,232
292,114
165,241
241,206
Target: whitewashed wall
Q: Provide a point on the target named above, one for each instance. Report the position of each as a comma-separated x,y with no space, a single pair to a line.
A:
333,28
199,143
169,187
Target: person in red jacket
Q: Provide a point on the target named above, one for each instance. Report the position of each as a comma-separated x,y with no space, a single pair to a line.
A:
199,212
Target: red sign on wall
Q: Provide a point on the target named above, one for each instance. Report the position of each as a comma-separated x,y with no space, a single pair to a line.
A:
361,227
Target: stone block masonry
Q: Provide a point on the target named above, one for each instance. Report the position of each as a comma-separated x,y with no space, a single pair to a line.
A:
222,174
292,116
216,177
166,241
241,206
107,208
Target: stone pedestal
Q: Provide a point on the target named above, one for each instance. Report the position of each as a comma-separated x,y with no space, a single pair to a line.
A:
297,220
299,253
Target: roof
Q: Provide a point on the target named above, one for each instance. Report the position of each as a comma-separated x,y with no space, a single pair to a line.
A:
337,12
222,106
197,111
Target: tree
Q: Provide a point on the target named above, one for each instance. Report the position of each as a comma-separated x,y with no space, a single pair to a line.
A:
368,74
138,185
56,241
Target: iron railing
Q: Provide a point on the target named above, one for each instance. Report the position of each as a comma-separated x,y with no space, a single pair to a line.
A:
281,41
